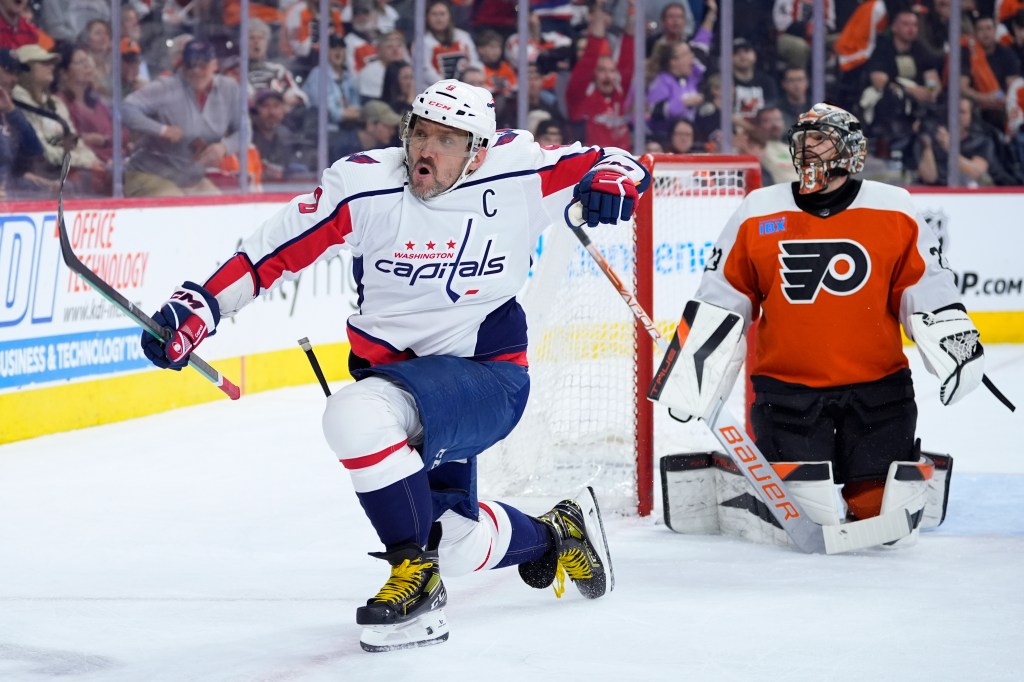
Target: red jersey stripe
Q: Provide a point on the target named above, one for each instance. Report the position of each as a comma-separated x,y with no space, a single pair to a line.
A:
298,254
374,458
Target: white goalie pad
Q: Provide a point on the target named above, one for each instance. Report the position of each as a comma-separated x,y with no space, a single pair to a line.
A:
948,343
702,361
704,493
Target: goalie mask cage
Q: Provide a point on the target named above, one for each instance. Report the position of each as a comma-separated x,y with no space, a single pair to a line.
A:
588,421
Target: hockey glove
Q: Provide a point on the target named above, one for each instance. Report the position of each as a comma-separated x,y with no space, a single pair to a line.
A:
606,197
191,314
948,342
701,363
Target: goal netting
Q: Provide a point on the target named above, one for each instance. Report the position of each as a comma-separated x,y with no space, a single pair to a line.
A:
588,421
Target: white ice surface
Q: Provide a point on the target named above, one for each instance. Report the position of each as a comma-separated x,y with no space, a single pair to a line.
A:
223,543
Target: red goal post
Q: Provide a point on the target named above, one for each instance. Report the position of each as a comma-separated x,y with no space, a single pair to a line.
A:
716,176
588,421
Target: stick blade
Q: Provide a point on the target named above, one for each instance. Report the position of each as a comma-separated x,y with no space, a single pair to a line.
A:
872,532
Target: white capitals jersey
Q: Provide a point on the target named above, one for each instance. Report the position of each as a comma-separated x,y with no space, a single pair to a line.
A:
435,277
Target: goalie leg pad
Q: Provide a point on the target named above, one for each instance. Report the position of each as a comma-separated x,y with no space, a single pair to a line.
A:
705,493
688,492
938,490
906,487
702,360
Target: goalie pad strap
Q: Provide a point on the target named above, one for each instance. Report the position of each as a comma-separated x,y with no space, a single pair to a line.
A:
702,360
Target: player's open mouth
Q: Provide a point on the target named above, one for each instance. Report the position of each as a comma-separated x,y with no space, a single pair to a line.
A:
424,169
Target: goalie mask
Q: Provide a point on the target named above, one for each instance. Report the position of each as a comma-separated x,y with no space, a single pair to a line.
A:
457,105
825,143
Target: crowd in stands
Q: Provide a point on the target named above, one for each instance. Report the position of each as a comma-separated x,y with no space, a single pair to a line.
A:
181,92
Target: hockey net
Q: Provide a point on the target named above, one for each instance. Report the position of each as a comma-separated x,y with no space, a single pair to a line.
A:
588,421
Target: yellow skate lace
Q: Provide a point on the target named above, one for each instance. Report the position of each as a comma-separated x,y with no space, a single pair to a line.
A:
575,563
404,581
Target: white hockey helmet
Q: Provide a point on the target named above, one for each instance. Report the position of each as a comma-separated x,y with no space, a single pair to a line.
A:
453,103
843,130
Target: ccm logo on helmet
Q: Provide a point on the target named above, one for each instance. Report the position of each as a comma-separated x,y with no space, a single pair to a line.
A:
839,266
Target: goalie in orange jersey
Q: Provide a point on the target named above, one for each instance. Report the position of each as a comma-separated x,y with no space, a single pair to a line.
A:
832,267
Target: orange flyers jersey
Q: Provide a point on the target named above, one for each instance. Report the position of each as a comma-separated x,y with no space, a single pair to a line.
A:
831,292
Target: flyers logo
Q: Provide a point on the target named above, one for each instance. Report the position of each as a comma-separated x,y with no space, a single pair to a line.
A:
839,266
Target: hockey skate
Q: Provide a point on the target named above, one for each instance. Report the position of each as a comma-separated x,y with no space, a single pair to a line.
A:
580,550
408,610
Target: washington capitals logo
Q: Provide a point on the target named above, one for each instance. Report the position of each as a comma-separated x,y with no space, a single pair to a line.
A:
361,157
446,260
505,136
839,266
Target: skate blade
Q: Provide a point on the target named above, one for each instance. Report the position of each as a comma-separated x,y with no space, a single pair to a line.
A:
595,531
430,628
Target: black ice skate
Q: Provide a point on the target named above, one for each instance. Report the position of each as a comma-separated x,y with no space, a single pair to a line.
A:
580,550
408,610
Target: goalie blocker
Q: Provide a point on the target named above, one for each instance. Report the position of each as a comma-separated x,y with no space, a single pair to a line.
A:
705,493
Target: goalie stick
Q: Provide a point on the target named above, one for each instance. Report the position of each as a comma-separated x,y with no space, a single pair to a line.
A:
807,535
127,307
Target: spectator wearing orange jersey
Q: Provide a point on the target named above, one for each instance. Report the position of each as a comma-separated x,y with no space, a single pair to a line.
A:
361,39
447,50
499,76
300,28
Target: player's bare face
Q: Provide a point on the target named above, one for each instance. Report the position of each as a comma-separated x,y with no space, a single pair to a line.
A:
437,156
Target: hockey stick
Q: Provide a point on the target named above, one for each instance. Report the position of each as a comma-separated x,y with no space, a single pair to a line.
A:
807,535
127,307
315,364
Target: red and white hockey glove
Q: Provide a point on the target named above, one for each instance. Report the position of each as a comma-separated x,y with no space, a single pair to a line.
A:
191,314
606,197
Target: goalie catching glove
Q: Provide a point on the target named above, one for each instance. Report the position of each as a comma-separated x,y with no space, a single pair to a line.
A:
191,314
948,342
701,363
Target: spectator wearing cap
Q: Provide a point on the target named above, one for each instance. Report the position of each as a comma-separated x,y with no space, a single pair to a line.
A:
283,155
131,67
268,75
20,175
753,90
91,116
51,120
391,48
549,133
380,126
132,41
15,29
188,122
343,100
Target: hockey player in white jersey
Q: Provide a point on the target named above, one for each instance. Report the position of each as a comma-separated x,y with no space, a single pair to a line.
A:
442,232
